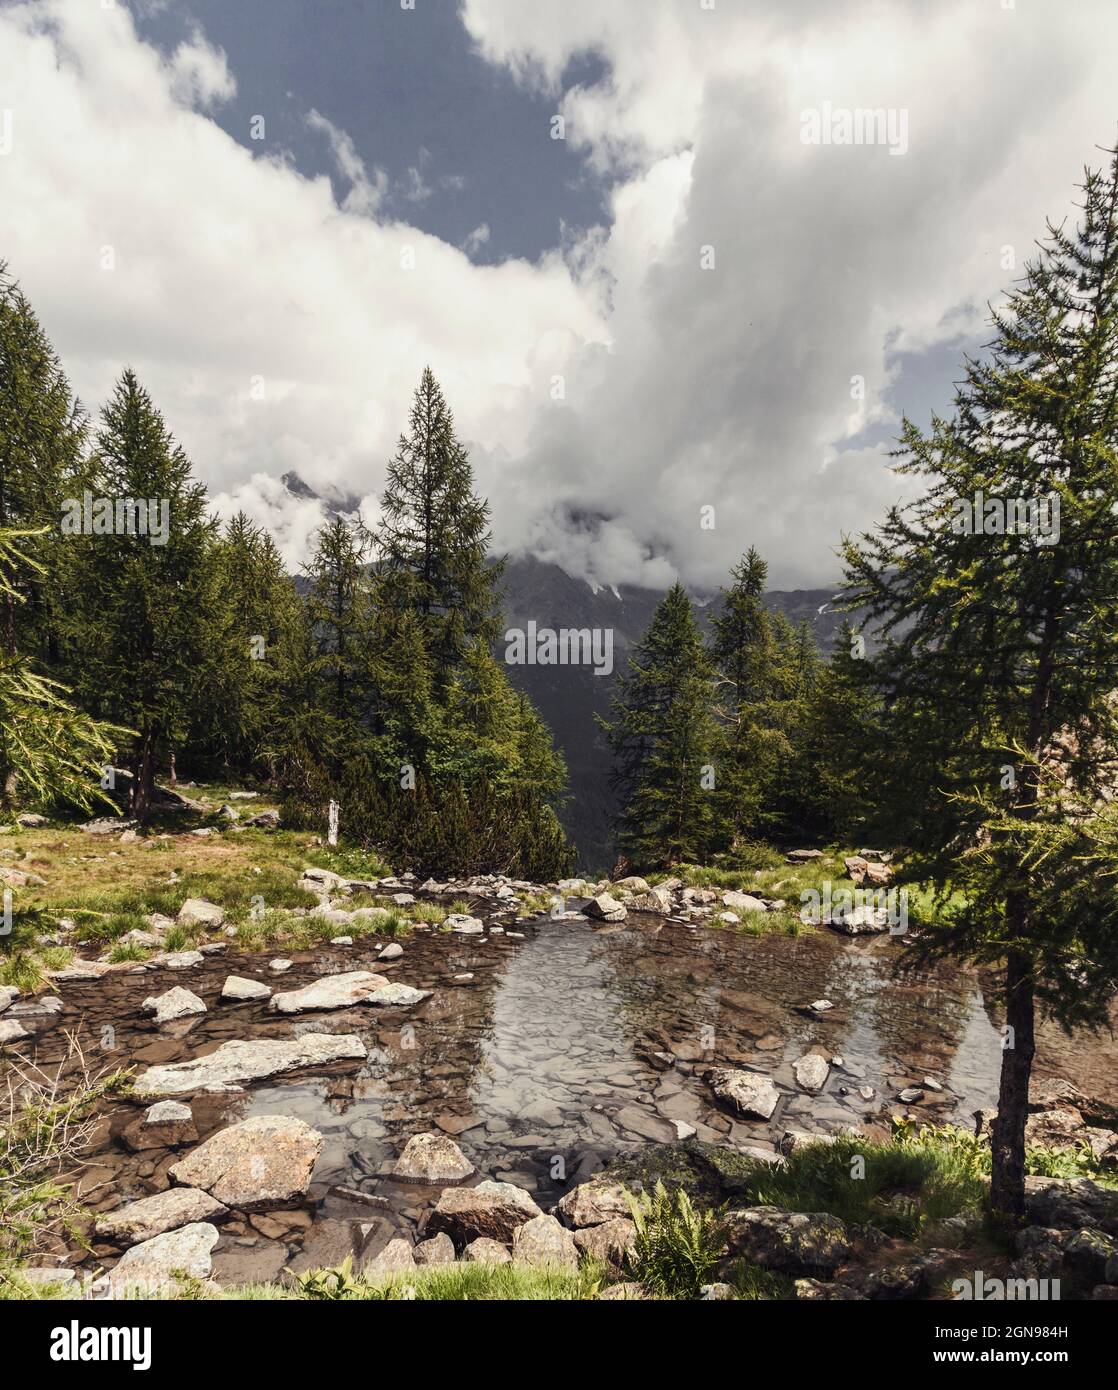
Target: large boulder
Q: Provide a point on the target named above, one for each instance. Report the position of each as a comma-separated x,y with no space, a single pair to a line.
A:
199,912
543,1243
657,900
1071,1204
594,1202
175,1003
151,1216
262,1162
794,1241
491,1209
153,1266
742,902
346,990
438,1250
484,1251
239,1061
749,1093
606,908
433,1159
609,1242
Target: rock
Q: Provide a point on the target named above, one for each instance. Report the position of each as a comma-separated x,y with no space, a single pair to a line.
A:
330,992
28,820
238,988
175,1003
164,1125
716,1293
268,820
606,908
439,1250
794,1241
397,996
594,1202
542,1242
1091,1253
396,1255
811,1072
911,1095
151,1216
262,1162
8,995
434,1159
80,970
199,912
621,1293
649,1126
11,1030
179,960
240,1061
464,926
748,1093
742,902
862,920
657,900
609,1242
151,1267
21,878
492,1210
486,1252
393,951
280,966
816,1291
633,884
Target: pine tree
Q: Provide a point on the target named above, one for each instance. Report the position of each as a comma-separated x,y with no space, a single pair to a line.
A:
747,658
140,630
433,536
1000,662
42,461
663,738
339,611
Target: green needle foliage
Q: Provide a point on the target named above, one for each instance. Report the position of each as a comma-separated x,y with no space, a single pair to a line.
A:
999,664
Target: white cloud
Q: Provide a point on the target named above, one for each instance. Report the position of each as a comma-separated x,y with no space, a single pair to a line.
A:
279,330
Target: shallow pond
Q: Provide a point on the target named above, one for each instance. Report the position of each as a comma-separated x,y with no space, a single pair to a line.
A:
544,1055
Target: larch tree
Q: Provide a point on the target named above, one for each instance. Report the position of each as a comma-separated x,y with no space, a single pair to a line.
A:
997,592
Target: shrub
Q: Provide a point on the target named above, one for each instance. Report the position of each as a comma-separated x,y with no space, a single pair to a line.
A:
677,1246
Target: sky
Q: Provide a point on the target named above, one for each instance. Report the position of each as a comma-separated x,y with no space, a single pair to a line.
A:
671,318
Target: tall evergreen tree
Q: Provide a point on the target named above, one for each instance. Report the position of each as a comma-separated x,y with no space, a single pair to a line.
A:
339,611
433,535
141,626
663,738
43,434
1000,666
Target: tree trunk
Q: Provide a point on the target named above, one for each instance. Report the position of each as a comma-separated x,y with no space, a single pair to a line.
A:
143,778
1007,1185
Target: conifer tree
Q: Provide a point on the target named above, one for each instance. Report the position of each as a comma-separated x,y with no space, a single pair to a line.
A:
433,535
1000,663
42,461
663,738
141,625
339,611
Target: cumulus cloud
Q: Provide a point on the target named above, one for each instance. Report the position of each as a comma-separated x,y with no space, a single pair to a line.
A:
698,350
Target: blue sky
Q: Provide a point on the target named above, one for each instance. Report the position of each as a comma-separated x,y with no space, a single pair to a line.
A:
412,93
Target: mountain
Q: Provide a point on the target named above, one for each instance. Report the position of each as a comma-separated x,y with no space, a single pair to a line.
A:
568,697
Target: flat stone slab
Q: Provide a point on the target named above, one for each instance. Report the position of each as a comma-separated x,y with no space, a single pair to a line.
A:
239,1061
341,991
262,1162
152,1216
239,988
